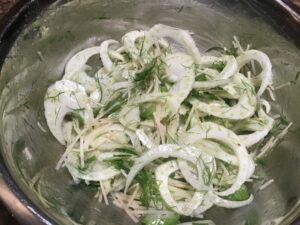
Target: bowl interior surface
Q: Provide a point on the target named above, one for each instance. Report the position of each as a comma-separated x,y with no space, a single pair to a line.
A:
37,59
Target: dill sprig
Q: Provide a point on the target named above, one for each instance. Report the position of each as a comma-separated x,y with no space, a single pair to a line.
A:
217,65
145,178
143,78
149,189
146,111
115,104
202,95
201,77
54,97
240,195
87,164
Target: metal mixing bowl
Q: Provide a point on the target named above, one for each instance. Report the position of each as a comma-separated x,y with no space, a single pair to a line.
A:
40,37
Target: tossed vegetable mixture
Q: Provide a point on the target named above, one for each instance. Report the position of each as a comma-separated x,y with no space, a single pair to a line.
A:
164,130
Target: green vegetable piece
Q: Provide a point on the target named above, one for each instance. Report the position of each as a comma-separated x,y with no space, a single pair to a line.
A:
78,115
146,111
146,72
261,161
87,164
218,65
115,104
202,95
240,195
201,77
172,219
149,189
121,164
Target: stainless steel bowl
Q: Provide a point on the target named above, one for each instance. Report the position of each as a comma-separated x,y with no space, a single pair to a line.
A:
41,36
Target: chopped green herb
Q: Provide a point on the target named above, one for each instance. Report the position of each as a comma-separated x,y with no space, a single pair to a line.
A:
142,46
121,164
126,150
201,77
146,72
202,95
78,115
55,97
240,195
261,161
115,104
146,111
127,56
149,189
218,65
87,164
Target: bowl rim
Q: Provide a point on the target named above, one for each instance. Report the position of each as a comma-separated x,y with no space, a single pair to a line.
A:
25,11
13,22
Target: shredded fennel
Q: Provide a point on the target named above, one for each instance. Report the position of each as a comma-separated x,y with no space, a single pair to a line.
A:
164,129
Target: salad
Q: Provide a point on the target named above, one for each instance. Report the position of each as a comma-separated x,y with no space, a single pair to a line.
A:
164,130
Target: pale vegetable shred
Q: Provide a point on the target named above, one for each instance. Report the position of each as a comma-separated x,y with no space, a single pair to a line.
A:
163,129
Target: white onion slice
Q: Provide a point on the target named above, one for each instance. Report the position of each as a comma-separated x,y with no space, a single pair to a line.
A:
181,36
213,131
265,77
162,174
104,54
227,203
80,59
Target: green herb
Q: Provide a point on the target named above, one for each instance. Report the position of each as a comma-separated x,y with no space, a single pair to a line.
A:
55,97
202,95
261,161
87,164
149,189
207,175
240,195
126,151
154,68
163,87
146,72
142,46
146,111
201,77
78,115
121,164
172,219
218,65
127,56
115,104
99,87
